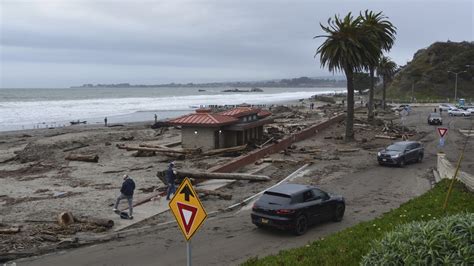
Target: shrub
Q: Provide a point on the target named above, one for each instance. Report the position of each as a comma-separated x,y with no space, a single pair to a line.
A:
448,241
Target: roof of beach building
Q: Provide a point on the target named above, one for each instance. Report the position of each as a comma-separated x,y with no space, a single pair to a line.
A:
245,110
203,117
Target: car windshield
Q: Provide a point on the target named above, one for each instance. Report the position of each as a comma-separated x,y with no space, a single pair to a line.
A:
396,147
434,115
275,198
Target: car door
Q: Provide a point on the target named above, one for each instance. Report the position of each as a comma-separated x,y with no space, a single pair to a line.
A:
409,153
313,205
414,148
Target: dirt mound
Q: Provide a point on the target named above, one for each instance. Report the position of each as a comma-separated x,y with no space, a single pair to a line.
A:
39,152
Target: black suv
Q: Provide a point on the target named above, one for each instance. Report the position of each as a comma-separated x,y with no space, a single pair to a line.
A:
295,207
401,153
435,119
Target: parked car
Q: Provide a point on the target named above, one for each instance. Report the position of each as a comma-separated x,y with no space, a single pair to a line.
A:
402,107
295,207
435,119
401,153
446,106
458,112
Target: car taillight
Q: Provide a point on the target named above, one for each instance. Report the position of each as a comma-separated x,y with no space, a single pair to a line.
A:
254,207
285,211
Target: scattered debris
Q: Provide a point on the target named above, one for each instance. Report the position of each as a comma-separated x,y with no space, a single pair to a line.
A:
65,219
92,158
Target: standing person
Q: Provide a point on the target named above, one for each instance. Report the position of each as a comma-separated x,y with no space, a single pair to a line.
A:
170,178
435,109
126,192
105,121
440,111
156,118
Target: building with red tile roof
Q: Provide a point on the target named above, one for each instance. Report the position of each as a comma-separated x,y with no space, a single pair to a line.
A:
207,130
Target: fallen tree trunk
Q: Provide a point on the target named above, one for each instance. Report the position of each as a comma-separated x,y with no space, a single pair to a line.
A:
166,148
348,150
384,137
214,193
236,176
181,174
10,230
76,148
159,150
92,158
97,221
224,150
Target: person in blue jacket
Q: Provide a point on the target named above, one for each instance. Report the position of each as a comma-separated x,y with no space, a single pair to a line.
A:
126,192
170,178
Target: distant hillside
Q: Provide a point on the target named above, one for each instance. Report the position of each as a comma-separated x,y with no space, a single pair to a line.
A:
295,82
428,72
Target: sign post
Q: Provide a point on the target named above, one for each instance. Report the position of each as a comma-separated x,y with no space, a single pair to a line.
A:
188,212
442,131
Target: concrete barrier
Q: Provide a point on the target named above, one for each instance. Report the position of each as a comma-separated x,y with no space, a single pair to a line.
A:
446,170
274,148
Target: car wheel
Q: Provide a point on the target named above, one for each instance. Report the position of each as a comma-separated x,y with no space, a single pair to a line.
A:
401,163
380,163
339,213
420,158
301,225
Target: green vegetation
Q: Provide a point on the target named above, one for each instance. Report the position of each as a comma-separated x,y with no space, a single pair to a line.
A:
350,245
428,73
446,241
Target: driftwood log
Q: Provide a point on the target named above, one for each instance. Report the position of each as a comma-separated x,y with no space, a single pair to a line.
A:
92,158
65,218
10,230
181,174
76,148
384,137
224,150
174,154
168,149
214,193
97,221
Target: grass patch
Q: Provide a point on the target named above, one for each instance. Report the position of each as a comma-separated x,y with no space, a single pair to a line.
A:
348,246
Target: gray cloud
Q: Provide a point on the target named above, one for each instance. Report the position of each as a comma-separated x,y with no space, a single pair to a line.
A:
63,43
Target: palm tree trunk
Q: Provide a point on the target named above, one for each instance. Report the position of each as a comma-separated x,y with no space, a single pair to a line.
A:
350,106
370,116
384,84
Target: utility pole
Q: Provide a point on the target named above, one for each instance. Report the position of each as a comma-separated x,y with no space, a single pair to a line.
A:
456,84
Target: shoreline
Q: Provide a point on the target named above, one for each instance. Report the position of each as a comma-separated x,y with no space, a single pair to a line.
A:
28,113
122,119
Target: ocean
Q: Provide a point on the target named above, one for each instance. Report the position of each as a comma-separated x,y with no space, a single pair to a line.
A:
40,108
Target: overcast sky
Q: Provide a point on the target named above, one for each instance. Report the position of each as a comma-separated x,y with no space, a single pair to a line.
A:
53,43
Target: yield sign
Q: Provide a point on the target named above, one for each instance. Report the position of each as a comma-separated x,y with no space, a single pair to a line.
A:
442,131
187,214
187,209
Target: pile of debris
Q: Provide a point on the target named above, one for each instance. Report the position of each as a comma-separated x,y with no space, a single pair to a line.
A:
29,238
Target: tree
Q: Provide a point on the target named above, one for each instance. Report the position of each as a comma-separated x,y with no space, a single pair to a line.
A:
346,48
386,68
383,33
362,82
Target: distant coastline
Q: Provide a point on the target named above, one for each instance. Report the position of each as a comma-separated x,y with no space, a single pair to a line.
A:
282,83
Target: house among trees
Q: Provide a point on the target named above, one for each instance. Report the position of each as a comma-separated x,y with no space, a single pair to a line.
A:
208,130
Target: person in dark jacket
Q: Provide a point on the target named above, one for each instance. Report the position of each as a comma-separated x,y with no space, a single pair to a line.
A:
170,178
126,192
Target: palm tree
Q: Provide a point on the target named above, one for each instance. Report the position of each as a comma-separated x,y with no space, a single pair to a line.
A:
386,68
346,48
383,32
